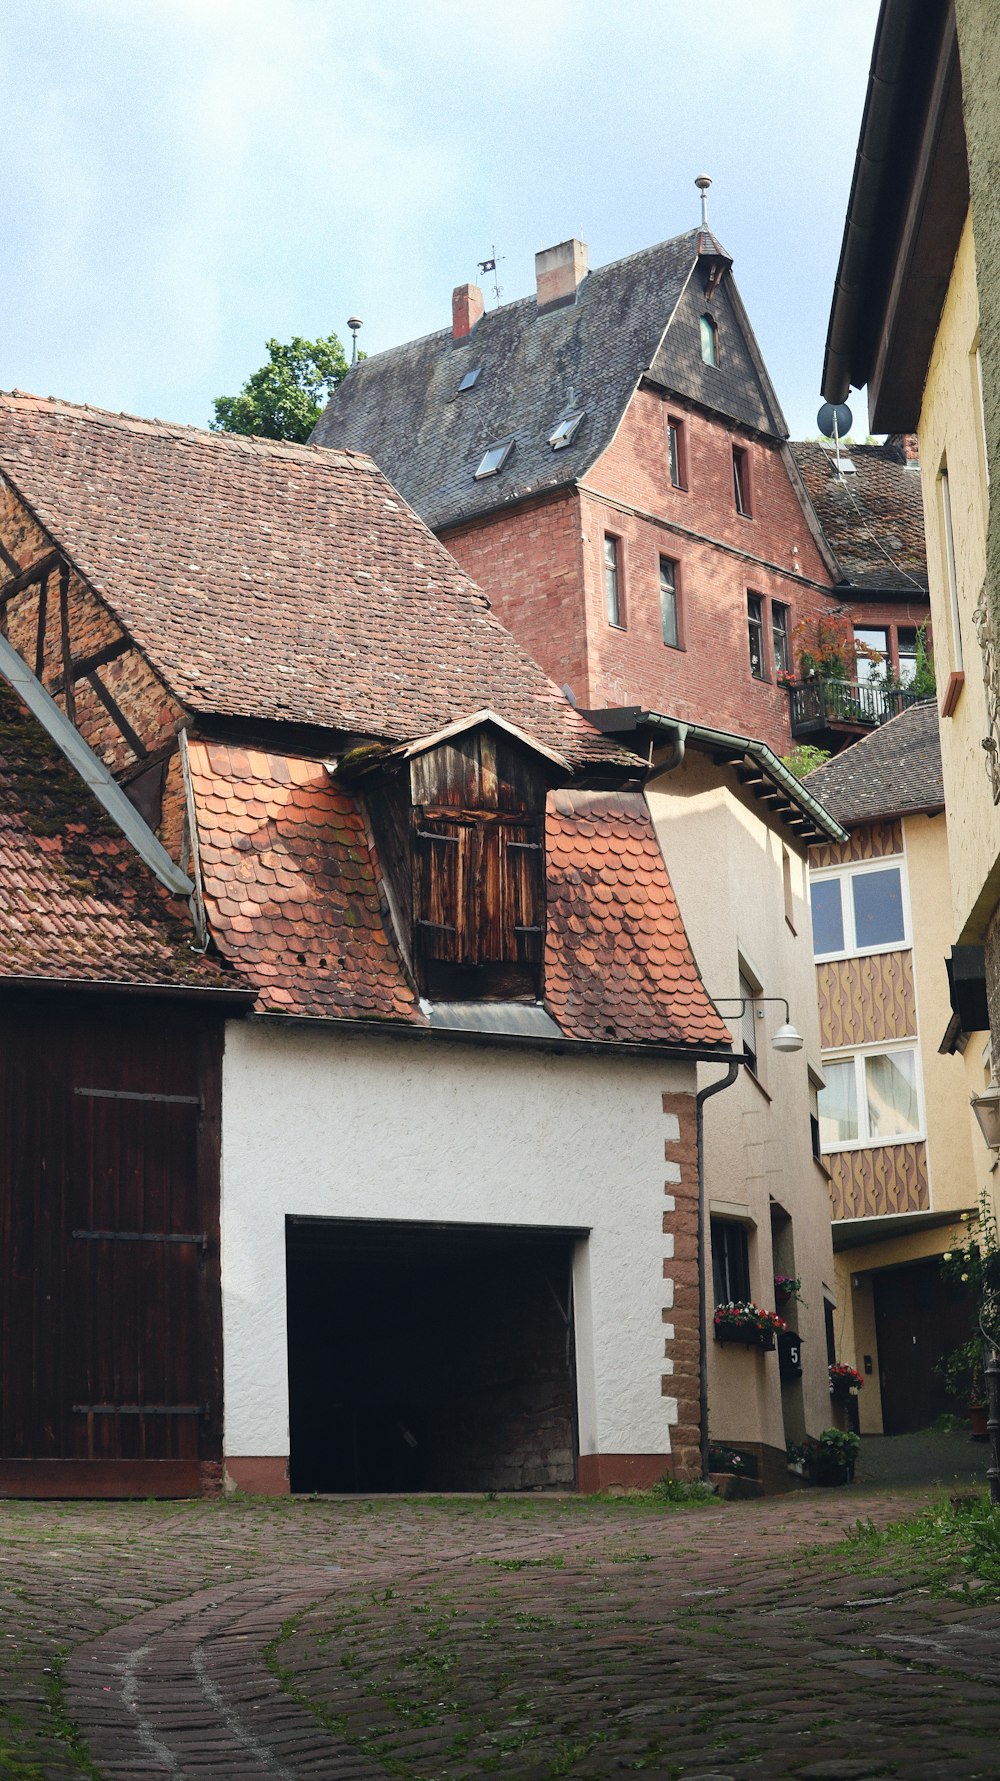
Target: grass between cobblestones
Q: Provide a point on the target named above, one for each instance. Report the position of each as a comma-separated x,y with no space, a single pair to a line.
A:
956,1544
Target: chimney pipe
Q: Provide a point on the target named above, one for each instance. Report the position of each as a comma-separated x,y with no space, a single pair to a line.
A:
559,273
466,308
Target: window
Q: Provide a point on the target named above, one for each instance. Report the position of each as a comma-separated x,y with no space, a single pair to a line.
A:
741,480
709,340
494,458
730,1262
859,911
470,378
870,1098
780,637
748,1022
786,885
566,431
831,1340
669,616
867,639
612,580
755,627
906,643
675,453
817,1148
948,536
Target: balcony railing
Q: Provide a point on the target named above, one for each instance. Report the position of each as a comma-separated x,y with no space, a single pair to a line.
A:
822,704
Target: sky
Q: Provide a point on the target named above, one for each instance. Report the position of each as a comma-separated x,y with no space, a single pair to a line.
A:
186,178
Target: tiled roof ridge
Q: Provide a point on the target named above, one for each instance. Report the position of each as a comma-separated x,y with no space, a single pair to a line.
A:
444,333
138,423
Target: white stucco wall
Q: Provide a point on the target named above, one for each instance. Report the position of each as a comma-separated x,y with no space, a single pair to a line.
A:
320,1124
725,863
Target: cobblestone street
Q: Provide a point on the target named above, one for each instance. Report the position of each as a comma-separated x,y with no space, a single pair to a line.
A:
445,1639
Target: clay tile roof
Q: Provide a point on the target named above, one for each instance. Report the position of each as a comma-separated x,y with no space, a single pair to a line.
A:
76,902
291,893
892,770
632,318
292,897
879,505
631,977
266,580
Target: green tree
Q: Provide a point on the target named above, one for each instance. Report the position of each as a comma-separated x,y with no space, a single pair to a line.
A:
285,398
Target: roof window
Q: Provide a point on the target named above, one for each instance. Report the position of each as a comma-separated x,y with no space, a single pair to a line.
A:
565,432
494,458
470,378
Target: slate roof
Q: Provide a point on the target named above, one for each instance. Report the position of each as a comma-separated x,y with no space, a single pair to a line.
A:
291,885
894,769
77,905
404,406
880,505
265,580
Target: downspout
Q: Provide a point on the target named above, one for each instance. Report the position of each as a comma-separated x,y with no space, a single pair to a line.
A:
714,1088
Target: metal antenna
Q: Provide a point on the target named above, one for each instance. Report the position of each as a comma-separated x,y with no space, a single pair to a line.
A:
491,266
354,323
703,182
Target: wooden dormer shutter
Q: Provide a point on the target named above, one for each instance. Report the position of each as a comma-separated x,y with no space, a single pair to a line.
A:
480,890
441,857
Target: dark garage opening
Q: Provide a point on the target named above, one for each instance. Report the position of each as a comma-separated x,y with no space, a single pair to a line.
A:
430,1356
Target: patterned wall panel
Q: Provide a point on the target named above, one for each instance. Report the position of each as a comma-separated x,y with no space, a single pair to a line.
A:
867,842
872,1183
864,1000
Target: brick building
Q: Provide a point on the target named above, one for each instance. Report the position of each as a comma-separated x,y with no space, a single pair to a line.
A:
608,459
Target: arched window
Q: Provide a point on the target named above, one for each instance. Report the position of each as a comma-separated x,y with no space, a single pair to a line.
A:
709,340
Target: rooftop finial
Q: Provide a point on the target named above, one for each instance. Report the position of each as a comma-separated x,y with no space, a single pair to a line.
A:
703,182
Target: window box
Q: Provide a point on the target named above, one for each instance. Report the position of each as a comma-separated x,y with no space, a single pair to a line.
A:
748,1334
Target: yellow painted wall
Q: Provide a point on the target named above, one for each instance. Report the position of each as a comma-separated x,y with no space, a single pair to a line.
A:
951,427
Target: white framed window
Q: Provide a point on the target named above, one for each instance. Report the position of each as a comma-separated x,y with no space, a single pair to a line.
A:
860,910
870,1097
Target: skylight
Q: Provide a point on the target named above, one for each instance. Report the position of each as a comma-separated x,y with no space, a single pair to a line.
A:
494,458
565,431
470,378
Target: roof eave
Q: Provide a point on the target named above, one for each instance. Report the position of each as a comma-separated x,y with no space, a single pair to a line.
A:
627,719
565,1043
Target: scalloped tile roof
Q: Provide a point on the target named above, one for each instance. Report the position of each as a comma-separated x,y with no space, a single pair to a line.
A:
76,902
618,964
291,885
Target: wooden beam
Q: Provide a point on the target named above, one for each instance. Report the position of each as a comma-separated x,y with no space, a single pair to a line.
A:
43,600
11,562
26,577
114,711
84,665
67,657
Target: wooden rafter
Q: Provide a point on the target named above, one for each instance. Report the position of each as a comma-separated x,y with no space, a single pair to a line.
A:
116,713
27,577
43,601
67,654
84,665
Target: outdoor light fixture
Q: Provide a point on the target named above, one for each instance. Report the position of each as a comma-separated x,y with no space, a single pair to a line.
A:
787,1037
986,1108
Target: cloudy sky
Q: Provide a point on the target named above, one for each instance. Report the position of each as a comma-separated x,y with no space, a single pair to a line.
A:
185,178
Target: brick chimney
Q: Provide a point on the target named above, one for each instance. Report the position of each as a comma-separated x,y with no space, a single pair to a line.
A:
559,273
905,448
466,308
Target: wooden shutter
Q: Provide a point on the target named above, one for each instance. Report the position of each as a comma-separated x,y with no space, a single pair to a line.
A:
441,852
522,869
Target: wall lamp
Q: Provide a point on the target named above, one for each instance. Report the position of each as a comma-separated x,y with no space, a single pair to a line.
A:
787,1037
986,1108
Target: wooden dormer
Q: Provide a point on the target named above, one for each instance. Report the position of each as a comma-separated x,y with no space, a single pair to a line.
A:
459,820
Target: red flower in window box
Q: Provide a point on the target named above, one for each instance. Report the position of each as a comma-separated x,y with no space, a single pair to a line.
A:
749,1324
844,1380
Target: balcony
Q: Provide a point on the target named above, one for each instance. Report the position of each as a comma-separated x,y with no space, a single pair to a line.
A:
844,705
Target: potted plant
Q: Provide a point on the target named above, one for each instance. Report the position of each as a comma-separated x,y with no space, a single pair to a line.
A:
799,1458
786,1288
731,1461
836,1453
844,1380
962,1374
972,1269
749,1324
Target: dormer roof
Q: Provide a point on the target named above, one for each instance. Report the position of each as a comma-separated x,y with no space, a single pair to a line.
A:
634,319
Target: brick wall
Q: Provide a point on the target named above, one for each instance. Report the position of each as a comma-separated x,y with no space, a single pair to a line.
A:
528,561
682,1364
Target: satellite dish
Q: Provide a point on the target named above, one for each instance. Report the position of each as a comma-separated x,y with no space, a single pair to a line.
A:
834,420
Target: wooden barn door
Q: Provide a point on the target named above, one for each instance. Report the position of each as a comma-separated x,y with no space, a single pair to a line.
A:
111,1349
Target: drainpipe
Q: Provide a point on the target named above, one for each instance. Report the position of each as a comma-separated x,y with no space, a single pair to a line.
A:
714,1088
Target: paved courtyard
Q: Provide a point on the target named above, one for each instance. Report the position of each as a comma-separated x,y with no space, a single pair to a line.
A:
447,1639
